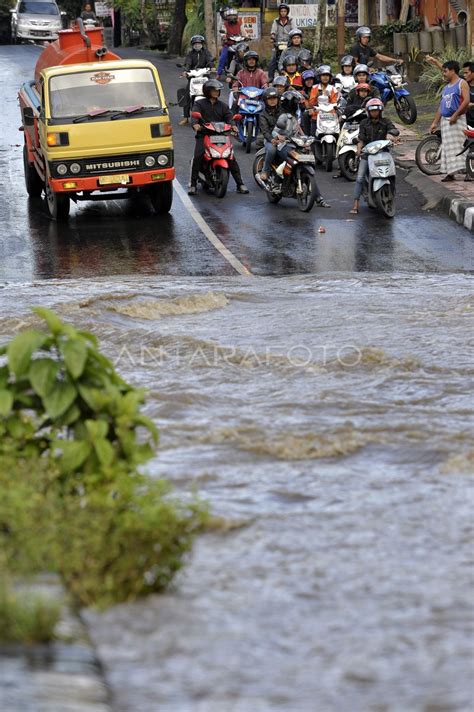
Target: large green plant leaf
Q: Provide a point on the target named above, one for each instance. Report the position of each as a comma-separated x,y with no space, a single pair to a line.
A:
73,454
104,450
75,354
53,321
59,399
21,348
6,402
42,375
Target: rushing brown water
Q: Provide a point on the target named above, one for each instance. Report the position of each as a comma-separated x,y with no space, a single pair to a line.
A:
328,421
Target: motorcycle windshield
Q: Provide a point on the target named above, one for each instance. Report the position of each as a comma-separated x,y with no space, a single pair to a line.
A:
252,92
218,126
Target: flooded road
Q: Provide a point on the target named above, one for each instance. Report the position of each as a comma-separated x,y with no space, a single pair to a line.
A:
328,421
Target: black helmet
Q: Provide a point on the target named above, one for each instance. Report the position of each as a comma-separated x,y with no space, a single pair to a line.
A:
195,39
304,56
363,32
284,6
241,47
251,54
211,84
270,93
290,101
289,59
347,61
280,81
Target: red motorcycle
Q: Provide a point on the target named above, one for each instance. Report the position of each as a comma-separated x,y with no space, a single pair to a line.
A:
218,150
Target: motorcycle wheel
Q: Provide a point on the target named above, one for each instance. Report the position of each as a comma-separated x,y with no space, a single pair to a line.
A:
470,167
161,197
330,150
349,165
258,167
428,155
306,199
221,181
385,201
248,140
406,109
318,153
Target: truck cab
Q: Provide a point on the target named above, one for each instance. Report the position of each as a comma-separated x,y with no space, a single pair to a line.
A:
95,129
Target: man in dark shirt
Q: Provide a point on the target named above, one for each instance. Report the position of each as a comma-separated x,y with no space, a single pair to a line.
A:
197,58
468,68
373,128
363,53
269,117
212,110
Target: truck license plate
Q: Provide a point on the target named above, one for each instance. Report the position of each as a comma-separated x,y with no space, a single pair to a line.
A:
108,180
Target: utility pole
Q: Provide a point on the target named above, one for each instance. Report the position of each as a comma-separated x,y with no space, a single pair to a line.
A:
341,11
210,23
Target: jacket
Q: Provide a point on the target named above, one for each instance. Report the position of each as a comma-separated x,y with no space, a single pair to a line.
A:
198,60
281,32
228,29
257,78
296,81
268,120
318,91
212,112
374,130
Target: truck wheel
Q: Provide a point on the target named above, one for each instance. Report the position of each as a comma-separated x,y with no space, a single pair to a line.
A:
58,203
34,184
161,196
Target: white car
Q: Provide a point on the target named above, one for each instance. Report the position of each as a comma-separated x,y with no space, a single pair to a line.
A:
35,20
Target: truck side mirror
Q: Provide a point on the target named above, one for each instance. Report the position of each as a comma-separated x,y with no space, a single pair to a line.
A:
28,116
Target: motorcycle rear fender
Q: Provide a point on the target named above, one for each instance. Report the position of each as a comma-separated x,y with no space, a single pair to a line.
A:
328,138
220,162
346,149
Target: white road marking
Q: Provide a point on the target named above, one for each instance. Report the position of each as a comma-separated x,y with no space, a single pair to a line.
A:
208,232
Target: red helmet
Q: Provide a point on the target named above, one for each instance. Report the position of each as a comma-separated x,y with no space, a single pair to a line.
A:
374,105
362,85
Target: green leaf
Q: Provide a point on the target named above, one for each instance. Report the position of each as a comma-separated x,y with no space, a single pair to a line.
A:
53,321
59,399
90,337
6,402
95,398
42,375
104,450
21,348
149,425
19,427
75,356
70,416
97,428
73,453
4,375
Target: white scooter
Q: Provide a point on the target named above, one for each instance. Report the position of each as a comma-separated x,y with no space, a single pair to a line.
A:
346,154
379,187
326,133
197,79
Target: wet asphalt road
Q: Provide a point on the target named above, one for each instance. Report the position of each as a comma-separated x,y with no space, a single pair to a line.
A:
124,237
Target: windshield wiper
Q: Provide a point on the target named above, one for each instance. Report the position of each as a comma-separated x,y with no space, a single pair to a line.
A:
91,115
138,109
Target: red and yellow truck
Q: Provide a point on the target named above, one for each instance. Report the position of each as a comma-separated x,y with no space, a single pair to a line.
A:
96,127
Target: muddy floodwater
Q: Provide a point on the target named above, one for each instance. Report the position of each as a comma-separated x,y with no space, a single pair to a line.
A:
328,421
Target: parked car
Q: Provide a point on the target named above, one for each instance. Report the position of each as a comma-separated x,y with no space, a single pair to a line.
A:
35,20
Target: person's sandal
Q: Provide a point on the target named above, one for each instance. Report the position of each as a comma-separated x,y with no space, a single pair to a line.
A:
183,121
321,203
242,189
354,211
192,190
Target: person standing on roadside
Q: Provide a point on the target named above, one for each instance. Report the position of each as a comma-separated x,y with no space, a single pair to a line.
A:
281,28
468,71
363,53
451,117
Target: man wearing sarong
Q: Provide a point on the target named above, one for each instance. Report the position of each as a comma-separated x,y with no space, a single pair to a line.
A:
451,117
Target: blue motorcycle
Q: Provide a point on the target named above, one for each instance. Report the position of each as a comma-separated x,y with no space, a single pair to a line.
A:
391,85
250,107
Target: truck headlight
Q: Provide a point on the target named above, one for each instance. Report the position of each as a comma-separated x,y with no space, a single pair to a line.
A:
150,161
75,168
163,159
61,169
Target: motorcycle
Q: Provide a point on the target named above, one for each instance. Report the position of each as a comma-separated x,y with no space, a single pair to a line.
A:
196,79
346,154
391,85
428,154
250,106
469,147
379,187
326,133
293,178
218,151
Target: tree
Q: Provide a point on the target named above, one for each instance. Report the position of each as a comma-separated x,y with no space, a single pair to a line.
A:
178,23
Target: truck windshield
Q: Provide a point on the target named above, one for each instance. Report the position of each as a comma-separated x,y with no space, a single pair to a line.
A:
38,8
73,95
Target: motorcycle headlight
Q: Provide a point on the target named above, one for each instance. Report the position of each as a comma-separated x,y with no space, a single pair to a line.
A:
226,153
214,153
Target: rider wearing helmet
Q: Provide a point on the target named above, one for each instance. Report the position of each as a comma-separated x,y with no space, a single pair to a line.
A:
373,128
269,117
251,75
344,80
362,96
231,27
198,57
305,60
290,71
281,27
281,84
363,53
211,110
361,76
323,89
286,127
295,46
237,61
308,77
